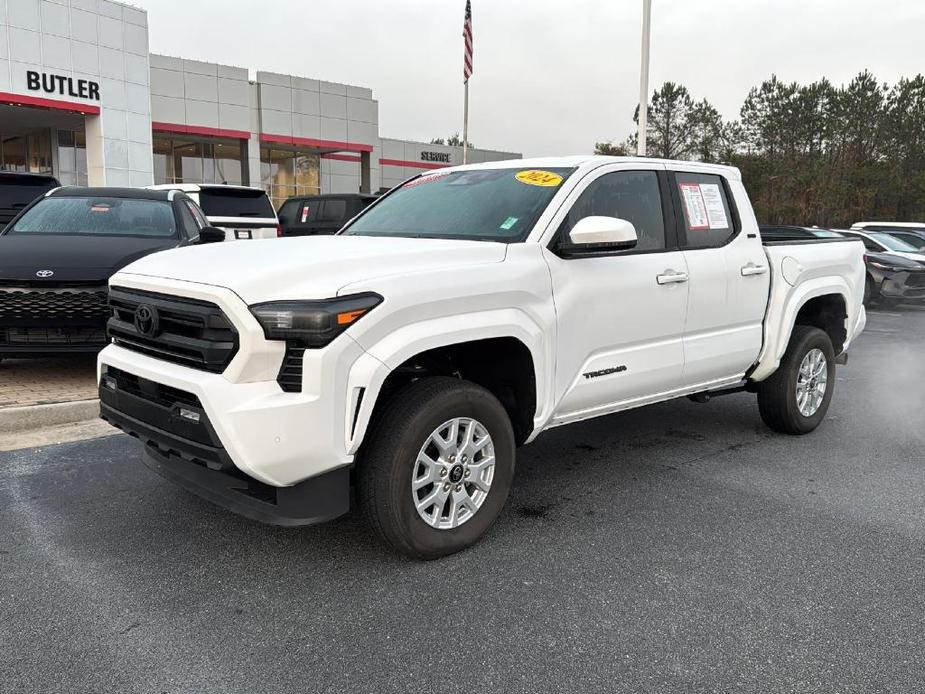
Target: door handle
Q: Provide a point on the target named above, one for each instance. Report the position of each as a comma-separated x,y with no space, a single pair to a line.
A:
752,269
672,277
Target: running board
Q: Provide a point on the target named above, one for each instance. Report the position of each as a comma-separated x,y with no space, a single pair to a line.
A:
708,395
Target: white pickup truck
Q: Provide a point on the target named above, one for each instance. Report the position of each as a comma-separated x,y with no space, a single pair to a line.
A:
456,318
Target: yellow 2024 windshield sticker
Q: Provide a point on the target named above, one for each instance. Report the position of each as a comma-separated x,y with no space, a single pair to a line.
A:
536,177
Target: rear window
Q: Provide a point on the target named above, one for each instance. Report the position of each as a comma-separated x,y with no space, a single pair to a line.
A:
235,202
21,190
333,211
98,217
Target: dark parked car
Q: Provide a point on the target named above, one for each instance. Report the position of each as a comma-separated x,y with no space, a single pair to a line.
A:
891,277
17,190
57,255
321,214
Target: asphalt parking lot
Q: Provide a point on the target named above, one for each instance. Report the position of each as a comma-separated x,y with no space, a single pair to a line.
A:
683,547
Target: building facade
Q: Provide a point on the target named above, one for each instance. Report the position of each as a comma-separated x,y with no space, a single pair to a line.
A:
82,98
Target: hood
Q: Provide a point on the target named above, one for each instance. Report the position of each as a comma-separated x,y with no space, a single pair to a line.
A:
896,260
917,257
72,257
310,267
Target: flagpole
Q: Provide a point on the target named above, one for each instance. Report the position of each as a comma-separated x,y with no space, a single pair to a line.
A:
644,79
466,123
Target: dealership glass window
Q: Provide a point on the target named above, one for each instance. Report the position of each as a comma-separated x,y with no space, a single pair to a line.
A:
29,152
198,161
284,173
72,157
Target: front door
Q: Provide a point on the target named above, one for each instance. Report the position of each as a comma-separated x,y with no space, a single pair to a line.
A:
620,316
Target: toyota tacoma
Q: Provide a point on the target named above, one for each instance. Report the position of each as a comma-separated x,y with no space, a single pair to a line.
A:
457,318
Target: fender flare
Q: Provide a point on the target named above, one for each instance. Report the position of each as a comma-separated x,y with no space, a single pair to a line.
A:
780,322
369,372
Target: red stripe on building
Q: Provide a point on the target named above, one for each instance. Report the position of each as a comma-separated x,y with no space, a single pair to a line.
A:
412,164
200,130
51,104
341,157
317,144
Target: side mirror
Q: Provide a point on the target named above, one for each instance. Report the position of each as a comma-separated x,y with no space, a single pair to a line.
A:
211,235
596,235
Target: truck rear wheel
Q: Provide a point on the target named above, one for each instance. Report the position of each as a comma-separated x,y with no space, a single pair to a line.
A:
795,398
436,470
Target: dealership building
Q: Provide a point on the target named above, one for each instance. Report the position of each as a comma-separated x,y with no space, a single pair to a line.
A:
81,98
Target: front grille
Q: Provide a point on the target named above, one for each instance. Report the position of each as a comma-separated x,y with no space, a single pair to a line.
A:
290,373
916,280
188,331
75,304
52,336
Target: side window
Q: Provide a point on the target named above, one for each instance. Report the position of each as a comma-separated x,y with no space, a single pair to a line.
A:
334,210
198,216
188,222
706,215
872,245
630,195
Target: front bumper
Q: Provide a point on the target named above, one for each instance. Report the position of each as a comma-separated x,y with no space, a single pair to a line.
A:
903,285
181,445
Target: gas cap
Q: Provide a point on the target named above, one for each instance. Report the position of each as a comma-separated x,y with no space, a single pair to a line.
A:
790,268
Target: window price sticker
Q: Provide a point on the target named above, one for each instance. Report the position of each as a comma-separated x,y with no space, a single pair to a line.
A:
694,207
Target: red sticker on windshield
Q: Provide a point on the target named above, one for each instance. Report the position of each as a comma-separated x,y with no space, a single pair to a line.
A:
426,179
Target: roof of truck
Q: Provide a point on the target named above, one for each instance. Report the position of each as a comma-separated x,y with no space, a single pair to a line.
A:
594,160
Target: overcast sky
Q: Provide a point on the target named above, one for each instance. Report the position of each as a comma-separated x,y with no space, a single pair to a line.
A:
551,76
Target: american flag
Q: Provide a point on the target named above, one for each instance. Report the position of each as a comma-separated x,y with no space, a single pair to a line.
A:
467,38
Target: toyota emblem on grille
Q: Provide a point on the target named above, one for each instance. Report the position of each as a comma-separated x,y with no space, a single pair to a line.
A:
44,273
146,320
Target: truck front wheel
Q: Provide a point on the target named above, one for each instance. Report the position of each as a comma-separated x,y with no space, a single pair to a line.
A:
437,468
795,398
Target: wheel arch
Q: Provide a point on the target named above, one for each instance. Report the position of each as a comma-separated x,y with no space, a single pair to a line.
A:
508,358
822,303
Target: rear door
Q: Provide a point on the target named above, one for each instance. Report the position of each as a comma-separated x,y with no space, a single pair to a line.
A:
729,277
244,213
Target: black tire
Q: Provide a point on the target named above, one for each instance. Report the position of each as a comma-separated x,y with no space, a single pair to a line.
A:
386,464
870,291
777,399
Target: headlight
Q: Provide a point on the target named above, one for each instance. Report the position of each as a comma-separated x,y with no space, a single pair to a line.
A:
313,323
888,268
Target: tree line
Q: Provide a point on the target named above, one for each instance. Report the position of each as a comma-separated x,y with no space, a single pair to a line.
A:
809,154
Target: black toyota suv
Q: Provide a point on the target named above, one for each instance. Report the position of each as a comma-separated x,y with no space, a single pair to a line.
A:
17,190
308,215
57,255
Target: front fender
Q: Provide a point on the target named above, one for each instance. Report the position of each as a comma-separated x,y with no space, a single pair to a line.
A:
395,348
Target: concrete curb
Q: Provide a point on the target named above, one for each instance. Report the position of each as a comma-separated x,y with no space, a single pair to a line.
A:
20,419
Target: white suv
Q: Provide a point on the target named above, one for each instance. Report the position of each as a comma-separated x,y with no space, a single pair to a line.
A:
241,211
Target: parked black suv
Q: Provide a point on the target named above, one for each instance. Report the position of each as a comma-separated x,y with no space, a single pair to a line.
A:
321,214
17,190
57,255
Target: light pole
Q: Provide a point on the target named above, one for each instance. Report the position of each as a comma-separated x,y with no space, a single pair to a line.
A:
644,79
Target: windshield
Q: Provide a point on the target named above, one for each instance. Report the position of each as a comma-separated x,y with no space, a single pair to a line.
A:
482,204
891,242
916,242
98,217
